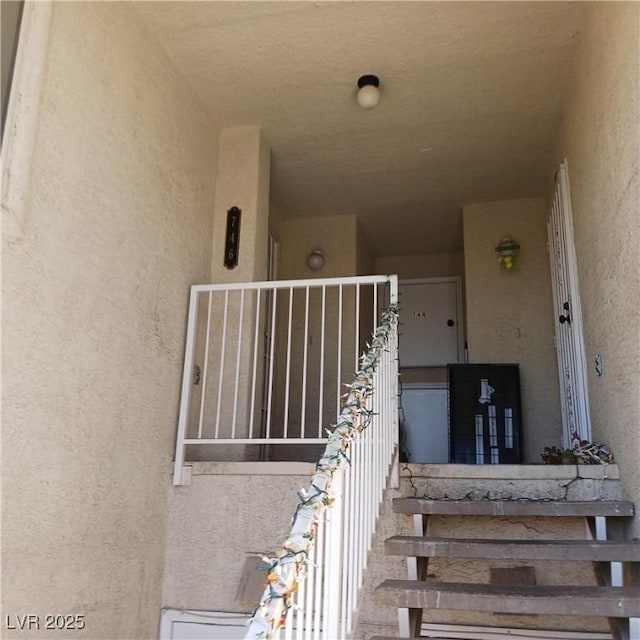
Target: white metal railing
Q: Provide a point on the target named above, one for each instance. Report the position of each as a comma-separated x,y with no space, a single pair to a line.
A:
266,362
313,583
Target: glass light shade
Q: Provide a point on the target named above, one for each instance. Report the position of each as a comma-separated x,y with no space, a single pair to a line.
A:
315,261
368,96
507,251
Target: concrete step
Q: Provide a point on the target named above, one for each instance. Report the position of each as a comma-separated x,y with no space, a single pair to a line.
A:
517,635
609,602
508,508
439,631
578,550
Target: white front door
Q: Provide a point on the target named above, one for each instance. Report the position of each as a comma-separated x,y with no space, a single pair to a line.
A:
574,397
430,322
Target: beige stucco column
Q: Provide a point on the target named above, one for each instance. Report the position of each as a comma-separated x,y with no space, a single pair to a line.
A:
243,181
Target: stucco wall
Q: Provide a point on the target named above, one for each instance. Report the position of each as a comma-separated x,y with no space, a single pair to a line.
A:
336,235
94,298
365,258
422,266
599,138
509,313
231,511
242,180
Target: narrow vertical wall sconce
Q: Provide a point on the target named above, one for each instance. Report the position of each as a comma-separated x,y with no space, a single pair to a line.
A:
507,251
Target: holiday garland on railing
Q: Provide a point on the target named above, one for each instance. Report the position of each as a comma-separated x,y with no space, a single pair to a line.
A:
287,568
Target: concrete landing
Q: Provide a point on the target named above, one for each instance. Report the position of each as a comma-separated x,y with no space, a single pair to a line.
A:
504,482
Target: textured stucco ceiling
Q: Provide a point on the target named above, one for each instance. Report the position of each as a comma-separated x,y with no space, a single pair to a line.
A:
472,97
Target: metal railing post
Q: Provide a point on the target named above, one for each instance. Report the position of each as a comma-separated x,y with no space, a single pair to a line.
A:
185,397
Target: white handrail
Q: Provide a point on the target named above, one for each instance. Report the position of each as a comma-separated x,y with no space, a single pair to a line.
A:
329,547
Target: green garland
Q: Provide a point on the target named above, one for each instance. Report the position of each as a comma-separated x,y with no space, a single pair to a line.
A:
286,570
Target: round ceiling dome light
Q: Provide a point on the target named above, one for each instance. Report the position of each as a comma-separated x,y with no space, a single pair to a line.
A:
368,92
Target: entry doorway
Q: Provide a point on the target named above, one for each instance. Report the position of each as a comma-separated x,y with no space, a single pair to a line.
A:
431,337
431,322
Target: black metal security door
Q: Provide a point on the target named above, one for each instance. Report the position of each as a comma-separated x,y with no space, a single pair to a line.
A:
484,413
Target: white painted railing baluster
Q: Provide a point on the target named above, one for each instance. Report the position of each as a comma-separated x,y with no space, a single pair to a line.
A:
339,359
357,327
238,353
345,616
272,346
185,395
309,599
321,389
332,611
288,369
319,576
305,349
256,347
205,367
222,354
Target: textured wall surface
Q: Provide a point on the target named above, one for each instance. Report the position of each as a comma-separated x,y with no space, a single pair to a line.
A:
365,258
336,235
509,314
242,180
428,266
231,511
95,296
599,138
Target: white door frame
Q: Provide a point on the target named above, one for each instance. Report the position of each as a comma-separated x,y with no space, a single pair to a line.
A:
569,336
457,280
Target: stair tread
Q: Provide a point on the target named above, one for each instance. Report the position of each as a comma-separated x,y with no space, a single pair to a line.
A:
623,602
585,550
584,508
440,631
456,636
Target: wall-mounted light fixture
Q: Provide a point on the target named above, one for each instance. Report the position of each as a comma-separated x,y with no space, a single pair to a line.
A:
507,251
368,92
316,259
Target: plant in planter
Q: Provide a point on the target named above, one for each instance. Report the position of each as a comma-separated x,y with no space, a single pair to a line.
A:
584,453
551,455
556,455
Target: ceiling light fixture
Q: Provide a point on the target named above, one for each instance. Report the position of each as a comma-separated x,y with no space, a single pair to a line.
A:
368,92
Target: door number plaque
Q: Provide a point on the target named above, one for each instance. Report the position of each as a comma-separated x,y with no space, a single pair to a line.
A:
232,242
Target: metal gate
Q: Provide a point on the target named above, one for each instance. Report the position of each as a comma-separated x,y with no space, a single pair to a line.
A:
574,397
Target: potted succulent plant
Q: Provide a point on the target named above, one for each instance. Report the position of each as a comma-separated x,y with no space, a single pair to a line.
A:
568,456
